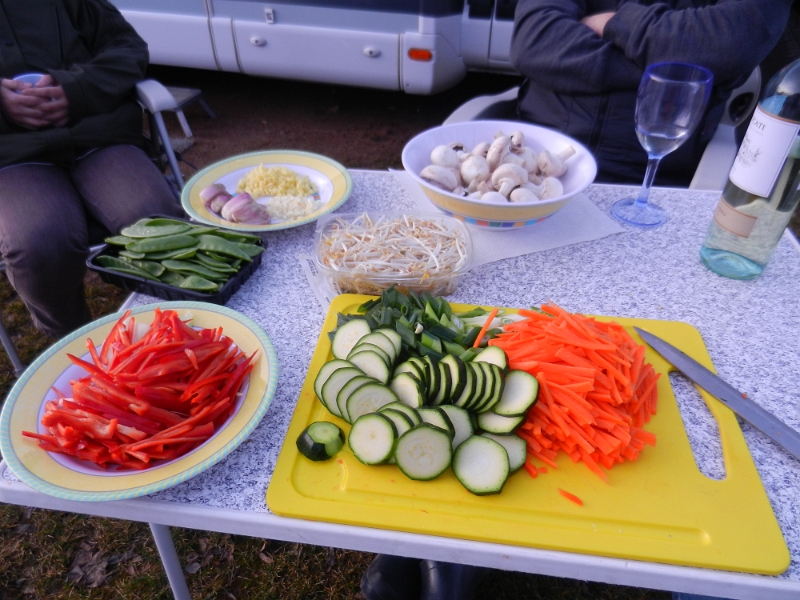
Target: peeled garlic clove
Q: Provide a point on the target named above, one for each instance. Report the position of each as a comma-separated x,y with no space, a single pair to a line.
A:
208,194
218,201
243,209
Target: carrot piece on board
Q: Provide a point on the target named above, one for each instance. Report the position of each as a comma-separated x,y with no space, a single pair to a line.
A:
570,497
485,327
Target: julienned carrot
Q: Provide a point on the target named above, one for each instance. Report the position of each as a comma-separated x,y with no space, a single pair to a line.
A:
485,327
147,396
596,390
570,497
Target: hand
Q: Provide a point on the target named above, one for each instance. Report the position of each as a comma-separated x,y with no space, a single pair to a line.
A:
35,106
597,23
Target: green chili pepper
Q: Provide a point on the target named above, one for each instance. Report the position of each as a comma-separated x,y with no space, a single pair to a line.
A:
163,243
117,264
182,266
200,284
218,245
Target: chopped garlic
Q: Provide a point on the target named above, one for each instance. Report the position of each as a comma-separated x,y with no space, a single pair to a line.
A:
289,208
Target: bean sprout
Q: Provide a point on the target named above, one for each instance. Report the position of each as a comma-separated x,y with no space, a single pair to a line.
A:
368,254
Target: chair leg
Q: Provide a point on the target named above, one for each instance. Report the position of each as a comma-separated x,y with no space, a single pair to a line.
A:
11,350
184,123
207,108
170,560
173,160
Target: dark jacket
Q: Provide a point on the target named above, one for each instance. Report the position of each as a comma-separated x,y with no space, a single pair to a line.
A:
94,54
585,85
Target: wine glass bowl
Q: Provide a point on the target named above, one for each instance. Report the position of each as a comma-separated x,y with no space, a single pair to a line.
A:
670,103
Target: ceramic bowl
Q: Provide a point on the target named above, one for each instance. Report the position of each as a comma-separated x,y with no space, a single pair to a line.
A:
582,169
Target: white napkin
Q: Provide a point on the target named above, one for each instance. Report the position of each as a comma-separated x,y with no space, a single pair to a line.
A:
579,221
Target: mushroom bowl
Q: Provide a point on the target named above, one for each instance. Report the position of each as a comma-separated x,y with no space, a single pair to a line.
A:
450,164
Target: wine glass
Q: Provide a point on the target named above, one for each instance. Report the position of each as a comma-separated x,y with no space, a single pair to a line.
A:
671,100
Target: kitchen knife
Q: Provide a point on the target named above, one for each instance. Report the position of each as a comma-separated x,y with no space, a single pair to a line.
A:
751,412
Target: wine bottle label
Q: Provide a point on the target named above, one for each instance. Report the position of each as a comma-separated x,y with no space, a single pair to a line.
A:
762,153
732,220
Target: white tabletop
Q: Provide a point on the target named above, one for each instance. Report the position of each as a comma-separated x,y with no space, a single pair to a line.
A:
751,330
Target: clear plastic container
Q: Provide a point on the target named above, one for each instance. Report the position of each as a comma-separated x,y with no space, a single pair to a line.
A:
366,253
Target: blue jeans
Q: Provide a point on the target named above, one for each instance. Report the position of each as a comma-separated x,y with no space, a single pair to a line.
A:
44,225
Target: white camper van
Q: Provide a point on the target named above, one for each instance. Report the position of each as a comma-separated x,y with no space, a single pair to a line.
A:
418,46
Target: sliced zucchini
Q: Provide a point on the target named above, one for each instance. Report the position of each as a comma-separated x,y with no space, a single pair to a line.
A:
494,423
516,448
445,385
372,364
325,372
331,388
481,465
368,398
479,387
423,369
411,413
498,385
347,390
381,341
394,337
462,424
434,378
433,415
519,394
468,390
408,389
402,423
320,440
372,438
347,336
410,367
423,452
359,348
494,355
458,376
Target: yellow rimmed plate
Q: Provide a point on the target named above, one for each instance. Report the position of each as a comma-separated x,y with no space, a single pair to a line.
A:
72,479
332,180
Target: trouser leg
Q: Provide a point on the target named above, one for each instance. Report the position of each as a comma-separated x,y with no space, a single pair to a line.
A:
120,185
43,239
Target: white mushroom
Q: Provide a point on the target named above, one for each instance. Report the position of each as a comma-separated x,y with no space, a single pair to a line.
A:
441,177
474,169
553,165
495,197
506,177
499,148
523,194
552,188
529,158
517,140
444,156
481,149
513,159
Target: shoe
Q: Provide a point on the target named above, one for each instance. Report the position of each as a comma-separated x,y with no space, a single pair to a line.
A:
392,578
449,581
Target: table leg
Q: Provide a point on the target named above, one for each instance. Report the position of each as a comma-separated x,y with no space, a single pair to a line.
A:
169,558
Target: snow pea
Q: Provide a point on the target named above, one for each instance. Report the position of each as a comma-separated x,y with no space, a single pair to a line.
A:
117,264
179,254
147,231
131,255
200,284
119,240
218,245
163,243
216,265
182,266
172,278
155,269
249,249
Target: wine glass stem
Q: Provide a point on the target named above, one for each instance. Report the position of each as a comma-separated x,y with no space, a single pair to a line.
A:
649,176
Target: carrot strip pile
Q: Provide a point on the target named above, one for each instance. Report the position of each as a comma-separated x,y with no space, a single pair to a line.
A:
151,397
595,389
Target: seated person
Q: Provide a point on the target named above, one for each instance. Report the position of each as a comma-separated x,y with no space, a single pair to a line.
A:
583,60
70,148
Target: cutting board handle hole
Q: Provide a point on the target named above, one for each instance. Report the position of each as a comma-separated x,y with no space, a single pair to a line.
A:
701,427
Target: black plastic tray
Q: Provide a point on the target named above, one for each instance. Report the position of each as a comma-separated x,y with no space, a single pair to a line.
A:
132,283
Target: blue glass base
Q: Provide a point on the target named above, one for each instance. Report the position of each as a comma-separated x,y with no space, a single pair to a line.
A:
730,264
641,214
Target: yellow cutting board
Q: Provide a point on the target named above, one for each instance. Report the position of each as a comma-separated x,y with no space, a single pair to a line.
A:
660,508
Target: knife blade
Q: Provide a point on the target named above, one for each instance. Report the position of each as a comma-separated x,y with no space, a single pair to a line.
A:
751,412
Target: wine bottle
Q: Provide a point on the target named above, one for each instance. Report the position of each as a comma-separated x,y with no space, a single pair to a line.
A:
762,190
